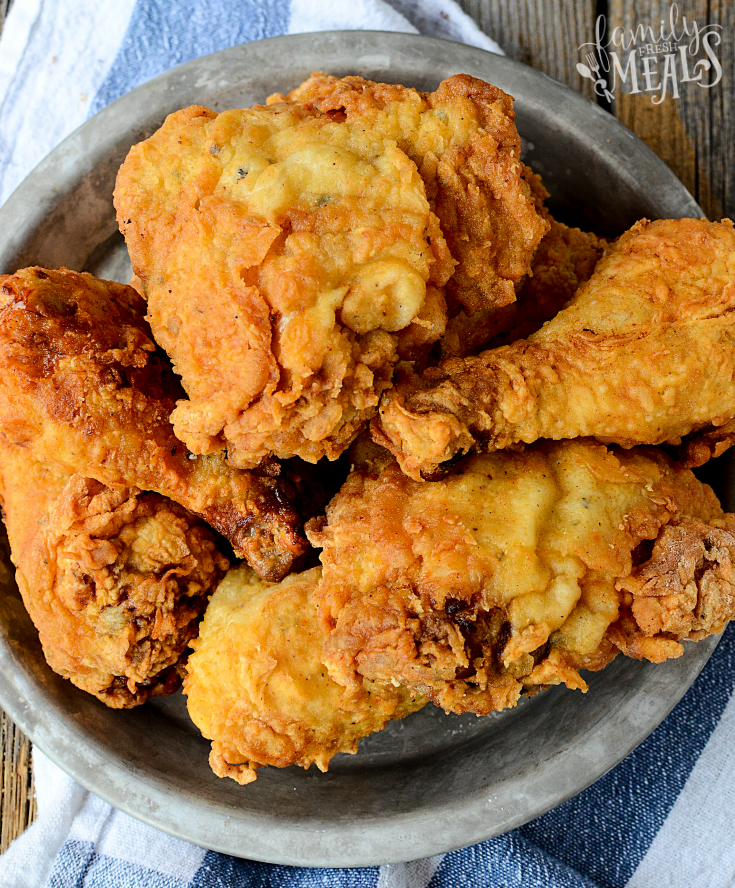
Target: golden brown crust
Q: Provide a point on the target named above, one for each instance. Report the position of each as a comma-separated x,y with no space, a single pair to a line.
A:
283,255
643,354
474,180
256,686
300,235
706,444
503,577
115,581
563,261
83,386
685,590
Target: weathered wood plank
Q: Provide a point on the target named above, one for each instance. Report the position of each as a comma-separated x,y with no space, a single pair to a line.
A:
692,133
17,800
4,8
661,127
717,142
545,34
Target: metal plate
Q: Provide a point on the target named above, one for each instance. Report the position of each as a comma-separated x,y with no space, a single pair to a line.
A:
429,783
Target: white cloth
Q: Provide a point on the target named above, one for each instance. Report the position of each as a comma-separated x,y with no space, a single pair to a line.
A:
27,863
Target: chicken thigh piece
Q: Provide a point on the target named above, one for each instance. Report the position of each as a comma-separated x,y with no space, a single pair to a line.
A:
284,255
518,570
293,254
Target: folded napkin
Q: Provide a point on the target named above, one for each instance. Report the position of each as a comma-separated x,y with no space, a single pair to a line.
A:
662,817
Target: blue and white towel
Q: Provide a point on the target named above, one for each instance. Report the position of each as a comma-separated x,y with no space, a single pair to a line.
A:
664,817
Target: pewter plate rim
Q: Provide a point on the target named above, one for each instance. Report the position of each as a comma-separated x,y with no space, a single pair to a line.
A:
449,781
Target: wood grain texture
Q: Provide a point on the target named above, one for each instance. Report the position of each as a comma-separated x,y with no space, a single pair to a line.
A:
17,799
545,34
694,132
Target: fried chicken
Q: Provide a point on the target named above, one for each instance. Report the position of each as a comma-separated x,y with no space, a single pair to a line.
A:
283,253
257,688
686,589
115,581
304,237
643,354
564,260
83,387
464,141
518,570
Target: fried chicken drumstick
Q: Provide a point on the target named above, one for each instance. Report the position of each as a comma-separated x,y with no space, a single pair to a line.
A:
115,581
518,570
257,688
643,354
83,387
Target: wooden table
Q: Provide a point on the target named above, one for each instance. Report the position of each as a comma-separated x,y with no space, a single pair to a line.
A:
693,133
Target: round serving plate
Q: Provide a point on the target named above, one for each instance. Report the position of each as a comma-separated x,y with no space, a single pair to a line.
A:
431,782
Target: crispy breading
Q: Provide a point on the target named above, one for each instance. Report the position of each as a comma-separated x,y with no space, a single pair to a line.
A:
513,572
304,237
686,589
643,354
257,688
115,581
565,259
282,253
464,142
83,386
